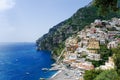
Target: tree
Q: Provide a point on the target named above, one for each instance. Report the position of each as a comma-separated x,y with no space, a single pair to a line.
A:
116,58
106,6
101,75
91,74
104,52
108,75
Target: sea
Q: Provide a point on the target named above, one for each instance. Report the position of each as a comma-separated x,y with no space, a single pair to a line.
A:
21,61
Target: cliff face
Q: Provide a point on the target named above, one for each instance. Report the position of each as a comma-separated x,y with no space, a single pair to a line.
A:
54,39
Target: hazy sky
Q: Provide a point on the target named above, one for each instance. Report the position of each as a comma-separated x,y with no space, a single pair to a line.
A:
27,20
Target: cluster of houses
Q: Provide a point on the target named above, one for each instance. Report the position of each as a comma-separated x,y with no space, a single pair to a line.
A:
91,37
80,50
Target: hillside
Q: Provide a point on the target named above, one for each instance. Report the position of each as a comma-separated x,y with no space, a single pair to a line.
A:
55,38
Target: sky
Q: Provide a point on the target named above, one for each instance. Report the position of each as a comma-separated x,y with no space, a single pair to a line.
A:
28,20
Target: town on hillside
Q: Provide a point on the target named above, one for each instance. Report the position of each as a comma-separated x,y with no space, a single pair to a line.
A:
84,48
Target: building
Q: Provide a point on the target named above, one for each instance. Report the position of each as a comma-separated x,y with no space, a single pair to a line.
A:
102,41
108,26
84,66
69,57
83,43
95,57
98,22
71,44
83,34
118,40
116,21
112,44
93,30
93,45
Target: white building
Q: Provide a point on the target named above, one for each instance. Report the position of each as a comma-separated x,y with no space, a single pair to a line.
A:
116,21
93,57
69,57
84,66
112,44
98,22
72,56
102,41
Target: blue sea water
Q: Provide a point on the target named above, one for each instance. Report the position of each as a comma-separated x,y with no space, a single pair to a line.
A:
21,61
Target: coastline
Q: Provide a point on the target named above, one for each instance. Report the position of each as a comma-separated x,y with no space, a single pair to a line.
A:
63,75
52,77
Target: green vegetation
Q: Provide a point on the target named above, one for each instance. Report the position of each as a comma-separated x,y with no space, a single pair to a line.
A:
117,36
91,74
104,53
55,38
105,74
101,75
96,63
106,6
116,58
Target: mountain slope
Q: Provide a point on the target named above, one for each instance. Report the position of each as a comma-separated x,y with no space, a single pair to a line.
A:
55,38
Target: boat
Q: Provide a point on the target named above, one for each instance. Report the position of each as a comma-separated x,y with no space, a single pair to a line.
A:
42,78
45,69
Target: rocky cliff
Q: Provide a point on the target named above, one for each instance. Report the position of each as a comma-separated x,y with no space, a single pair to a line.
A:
55,38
